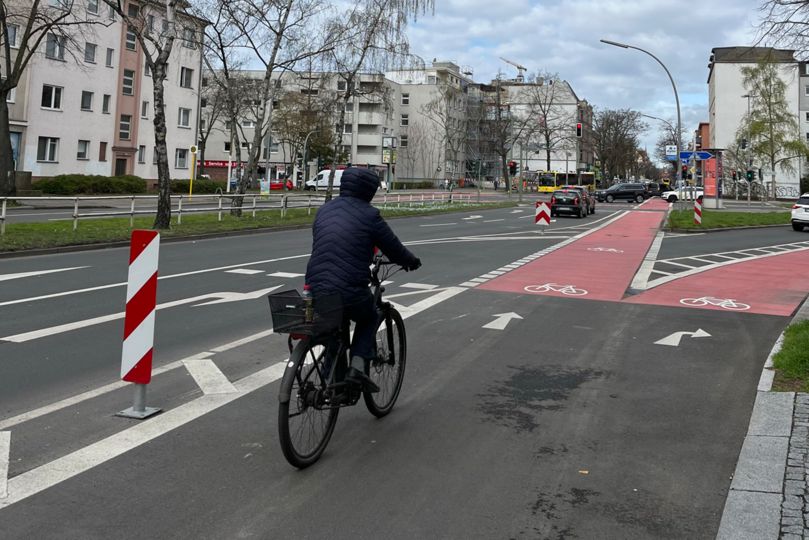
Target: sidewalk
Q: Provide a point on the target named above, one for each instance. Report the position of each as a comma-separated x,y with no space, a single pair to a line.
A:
769,494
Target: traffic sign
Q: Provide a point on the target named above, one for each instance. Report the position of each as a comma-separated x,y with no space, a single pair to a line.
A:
671,150
700,156
542,215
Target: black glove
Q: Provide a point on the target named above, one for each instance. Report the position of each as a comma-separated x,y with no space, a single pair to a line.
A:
414,265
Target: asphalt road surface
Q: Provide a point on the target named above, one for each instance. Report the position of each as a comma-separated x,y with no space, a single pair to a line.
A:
569,422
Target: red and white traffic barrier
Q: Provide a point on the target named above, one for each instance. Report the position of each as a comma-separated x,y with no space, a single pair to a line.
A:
139,322
698,211
542,215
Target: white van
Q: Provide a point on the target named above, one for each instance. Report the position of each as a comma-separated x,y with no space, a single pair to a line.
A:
321,181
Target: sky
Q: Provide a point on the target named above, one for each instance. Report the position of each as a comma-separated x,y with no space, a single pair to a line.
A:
562,36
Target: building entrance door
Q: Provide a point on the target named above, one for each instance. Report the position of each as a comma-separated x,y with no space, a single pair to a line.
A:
120,167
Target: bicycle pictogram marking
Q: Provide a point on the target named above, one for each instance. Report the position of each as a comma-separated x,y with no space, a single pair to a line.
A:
569,290
725,303
605,250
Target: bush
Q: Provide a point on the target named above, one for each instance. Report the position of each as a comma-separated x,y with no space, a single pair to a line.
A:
180,187
423,184
85,184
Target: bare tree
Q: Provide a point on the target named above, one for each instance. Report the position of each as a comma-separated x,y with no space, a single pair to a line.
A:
784,23
553,105
371,39
157,42
507,125
214,103
23,28
668,137
616,135
446,110
422,154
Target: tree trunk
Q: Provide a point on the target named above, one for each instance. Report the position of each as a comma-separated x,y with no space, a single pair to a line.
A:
201,168
504,165
7,186
163,217
338,142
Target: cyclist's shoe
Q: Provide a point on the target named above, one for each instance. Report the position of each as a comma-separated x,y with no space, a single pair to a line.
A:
358,378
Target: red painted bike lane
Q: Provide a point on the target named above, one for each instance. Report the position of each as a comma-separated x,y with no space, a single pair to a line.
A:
770,286
599,266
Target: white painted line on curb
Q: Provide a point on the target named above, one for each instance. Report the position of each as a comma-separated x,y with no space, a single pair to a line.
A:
641,279
208,376
767,373
245,271
5,452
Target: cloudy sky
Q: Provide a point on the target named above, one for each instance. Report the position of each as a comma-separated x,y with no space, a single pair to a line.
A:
562,36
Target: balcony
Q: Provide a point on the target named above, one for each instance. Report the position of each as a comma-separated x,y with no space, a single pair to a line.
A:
369,139
373,118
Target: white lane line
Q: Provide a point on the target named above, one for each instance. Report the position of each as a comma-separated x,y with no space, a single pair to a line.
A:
479,280
469,284
243,341
490,275
285,274
50,474
492,220
244,271
208,376
122,284
641,279
496,272
5,452
19,275
438,224
422,286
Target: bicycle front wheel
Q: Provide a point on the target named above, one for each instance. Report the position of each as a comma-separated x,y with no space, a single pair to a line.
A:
388,367
305,418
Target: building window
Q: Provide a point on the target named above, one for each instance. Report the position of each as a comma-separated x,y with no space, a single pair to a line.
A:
92,7
186,75
806,89
48,149
142,154
150,22
181,158
144,109
309,91
431,79
86,100
184,118
11,97
154,155
807,137
51,97
349,107
807,114
403,141
125,127
165,26
55,47
132,10
147,71
111,13
110,55
90,53
131,38
83,150
247,123
102,152
189,38
404,121
341,85
203,103
105,104
348,128
405,99
12,35
129,82
227,147
202,124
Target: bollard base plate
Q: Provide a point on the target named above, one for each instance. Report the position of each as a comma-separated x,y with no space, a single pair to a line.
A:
139,415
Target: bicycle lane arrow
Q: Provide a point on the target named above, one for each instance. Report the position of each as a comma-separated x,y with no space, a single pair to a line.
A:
674,339
501,321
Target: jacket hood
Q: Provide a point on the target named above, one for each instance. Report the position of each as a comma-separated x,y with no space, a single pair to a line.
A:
359,183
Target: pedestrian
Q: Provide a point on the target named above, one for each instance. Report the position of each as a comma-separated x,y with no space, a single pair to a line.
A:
495,185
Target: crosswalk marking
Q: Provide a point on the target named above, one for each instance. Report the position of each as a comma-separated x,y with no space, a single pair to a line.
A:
208,376
422,286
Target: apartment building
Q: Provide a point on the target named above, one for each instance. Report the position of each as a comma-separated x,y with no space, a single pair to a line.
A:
87,106
729,101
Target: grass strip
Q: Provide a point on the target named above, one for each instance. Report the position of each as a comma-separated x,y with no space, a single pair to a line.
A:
792,361
22,236
684,219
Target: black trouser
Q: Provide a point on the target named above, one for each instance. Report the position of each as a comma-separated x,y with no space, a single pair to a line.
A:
361,309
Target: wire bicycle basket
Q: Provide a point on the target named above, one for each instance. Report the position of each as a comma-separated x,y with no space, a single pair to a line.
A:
289,313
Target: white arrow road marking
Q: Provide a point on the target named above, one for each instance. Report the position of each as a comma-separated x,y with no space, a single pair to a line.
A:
674,339
501,321
472,217
6,277
59,329
208,376
5,449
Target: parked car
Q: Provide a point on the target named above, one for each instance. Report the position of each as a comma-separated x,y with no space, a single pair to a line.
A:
321,181
623,192
688,193
568,201
800,213
585,193
655,189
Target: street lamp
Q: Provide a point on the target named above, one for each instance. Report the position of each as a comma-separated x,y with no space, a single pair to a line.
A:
676,97
305,164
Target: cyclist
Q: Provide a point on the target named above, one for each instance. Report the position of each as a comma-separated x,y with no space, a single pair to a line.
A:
344,235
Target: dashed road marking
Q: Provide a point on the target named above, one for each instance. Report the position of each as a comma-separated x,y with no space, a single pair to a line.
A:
422,286
208,376
285,275
245,271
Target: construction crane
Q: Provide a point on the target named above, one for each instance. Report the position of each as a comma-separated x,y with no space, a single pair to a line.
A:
520,69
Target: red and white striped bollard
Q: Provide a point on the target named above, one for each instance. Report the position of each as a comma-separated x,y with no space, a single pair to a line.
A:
698,211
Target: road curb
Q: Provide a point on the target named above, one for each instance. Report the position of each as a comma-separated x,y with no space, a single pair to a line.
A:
720,229
753,505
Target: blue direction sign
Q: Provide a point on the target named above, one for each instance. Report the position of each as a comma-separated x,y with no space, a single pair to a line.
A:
701,156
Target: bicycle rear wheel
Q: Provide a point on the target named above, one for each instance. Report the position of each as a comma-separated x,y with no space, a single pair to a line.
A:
387,369
305,419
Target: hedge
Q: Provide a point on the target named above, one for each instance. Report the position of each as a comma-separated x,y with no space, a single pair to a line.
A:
180,187
76,184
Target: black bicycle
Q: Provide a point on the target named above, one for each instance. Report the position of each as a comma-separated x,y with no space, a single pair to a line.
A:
313,389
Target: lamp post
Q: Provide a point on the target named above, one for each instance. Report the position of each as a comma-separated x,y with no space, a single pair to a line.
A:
305,163
676,96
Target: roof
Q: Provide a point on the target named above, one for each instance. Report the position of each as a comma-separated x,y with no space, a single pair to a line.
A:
749,55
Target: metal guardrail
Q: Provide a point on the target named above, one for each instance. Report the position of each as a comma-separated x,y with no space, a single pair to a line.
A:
184,204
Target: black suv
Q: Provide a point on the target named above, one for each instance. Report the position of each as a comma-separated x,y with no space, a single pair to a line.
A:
628,192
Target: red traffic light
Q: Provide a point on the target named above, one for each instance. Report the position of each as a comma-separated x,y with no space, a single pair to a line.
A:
578,129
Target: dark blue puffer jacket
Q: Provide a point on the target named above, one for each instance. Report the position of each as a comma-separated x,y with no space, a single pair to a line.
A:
344,234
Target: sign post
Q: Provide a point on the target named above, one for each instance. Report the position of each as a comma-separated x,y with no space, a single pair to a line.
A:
139,320
388,158
192,171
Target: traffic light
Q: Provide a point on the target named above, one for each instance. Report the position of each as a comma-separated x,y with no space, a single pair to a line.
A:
744,144
578,130
733,174
512,168
751,175
684,172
